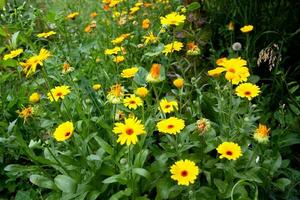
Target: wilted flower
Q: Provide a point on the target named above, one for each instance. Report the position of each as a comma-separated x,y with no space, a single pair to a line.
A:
236,46
261,134
116,94
193,49
66,68
203,125
26,112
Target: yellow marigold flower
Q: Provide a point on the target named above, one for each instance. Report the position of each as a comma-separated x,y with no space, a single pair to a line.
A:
129,72
96,87
171,125
30,65
141,92
261,134
73,15
216,72
120,39
138,4
119,59
247,90
229,150
26,112
34,97
185,172
220,61
113,51
231,26
247,28
178,82
46,35
146,24
173,18
150,38
134,10
133,102
154,74
129,131
113,3
88,29
116,94
64,131
59,92
93,15
13,54
174,46
168,106
66,68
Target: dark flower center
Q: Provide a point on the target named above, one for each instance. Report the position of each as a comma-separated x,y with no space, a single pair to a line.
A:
229,153
247,93
167,106
129,131
67,134
184,173
132,102
170,126
59,94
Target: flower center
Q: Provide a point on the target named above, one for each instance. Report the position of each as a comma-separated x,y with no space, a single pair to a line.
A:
247,93
67,134
170,126
229,153
167,106
184,173
59,94
231,70
129,131
132,102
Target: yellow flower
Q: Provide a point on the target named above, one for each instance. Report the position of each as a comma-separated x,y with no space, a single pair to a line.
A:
150,38
261,134
134,10
247,28
231,26
171,125
229,150
168,106
26,112
179,82
34,97
13,54
173,18
112,51
129,72
67,68
146,24
73,15
118,59
88,29
45,35
133,102
96,87
64,131
154,74
129,131
93,15
185,172
116,94
120,39
141,91
247,90
216,72
30,65
59,92
174,46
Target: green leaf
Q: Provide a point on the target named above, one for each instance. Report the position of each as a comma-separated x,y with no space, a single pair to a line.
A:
282,183
116,178
141,158
11,125
65,183
289,139
163,188
140,76
42,181
193,6
20,168
23,195
127,192
14,39
294,109
104,145
142,172
221,185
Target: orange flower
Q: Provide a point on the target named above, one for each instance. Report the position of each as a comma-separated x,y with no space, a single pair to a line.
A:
154,74
88,29
146,23
93,15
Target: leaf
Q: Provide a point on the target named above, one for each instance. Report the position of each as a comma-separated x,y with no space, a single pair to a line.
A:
221,185
142,172
23,195
289,139
20,168
127,192
116,178
193,6
163,188
140,76
11,125
141,158
14,39
294,109
107,148
282,183
65,183
42,181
